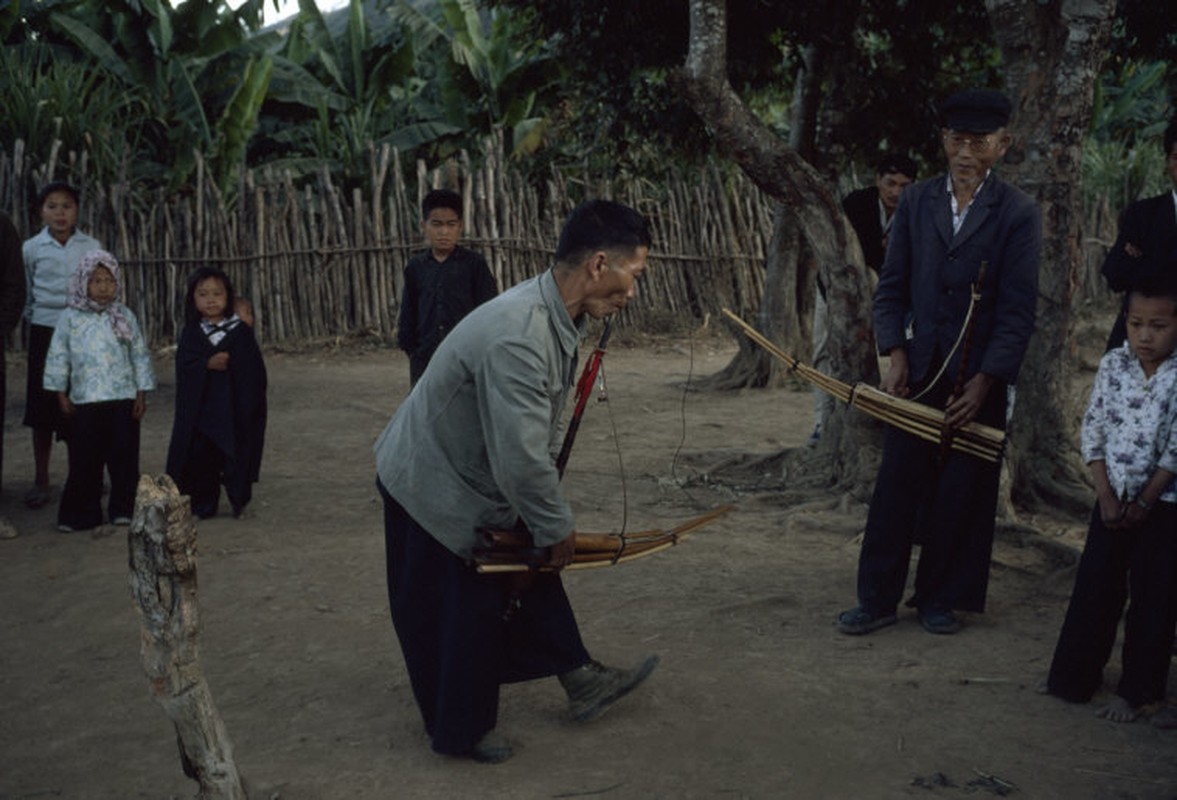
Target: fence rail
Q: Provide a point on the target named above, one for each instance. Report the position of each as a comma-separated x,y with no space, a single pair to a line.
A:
319,260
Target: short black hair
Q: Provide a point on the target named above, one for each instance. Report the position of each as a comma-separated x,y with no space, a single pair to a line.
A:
1154,285
896,162
57,186
441,198
1171,136
601,225
194,280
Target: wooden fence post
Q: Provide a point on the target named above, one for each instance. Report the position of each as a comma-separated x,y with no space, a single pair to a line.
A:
162,551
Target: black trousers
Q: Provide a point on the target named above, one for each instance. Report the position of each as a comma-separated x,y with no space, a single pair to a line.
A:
946,505
457,644
101,435
1141,564
205,470
42,411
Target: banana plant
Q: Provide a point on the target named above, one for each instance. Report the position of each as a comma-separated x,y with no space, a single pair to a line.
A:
195,69
489,78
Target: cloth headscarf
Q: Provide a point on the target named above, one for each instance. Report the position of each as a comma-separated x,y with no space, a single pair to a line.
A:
79,295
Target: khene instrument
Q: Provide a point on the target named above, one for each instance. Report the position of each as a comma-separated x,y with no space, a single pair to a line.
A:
923,421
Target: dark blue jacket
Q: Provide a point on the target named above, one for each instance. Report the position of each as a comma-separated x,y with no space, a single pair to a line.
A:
928,273
1151,226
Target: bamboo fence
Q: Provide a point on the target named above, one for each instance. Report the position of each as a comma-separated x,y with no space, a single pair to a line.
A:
321,261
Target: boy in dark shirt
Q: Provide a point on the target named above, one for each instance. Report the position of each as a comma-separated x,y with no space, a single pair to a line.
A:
442,284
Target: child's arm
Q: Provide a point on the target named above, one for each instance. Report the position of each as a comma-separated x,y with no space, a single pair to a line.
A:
244,310
140,406
1136,511
67,407
1111,510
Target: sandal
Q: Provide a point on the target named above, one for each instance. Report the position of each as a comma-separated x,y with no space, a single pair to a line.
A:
37,497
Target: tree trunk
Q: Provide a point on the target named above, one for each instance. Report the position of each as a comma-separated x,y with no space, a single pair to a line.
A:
1052,53
752,366
162,545
781,172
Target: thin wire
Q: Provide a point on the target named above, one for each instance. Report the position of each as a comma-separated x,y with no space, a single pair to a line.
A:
681,484
603,397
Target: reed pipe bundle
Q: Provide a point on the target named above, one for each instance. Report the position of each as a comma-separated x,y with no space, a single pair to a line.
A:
919,420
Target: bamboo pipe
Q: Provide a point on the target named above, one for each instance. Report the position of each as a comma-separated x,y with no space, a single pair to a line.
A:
919,420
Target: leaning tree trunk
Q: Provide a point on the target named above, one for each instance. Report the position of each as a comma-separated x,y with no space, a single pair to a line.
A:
778,318
785,275
1052,53
162,547
779,170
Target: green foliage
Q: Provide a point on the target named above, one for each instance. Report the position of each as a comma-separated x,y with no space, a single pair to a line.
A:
886,66
52,97
180,70
334,91
1123,155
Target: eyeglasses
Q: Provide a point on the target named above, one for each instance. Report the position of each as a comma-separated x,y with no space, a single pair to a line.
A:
978,144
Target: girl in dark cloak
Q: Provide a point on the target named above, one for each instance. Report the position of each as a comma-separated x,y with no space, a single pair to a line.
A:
220,420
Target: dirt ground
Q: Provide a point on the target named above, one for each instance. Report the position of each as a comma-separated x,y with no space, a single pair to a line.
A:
757,696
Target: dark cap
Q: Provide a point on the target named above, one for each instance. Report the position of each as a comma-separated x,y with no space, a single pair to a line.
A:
976,111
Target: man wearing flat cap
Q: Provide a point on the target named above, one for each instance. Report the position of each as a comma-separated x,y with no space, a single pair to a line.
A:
962,261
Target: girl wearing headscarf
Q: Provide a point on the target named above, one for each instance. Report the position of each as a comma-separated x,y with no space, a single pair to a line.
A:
99,367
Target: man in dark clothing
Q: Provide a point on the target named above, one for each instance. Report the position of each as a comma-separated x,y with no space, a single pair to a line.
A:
12,303
871,209
946,231
442,284
1147,243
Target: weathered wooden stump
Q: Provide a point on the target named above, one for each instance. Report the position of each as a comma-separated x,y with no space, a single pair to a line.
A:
162,550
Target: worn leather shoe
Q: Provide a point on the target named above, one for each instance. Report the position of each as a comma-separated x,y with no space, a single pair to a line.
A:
592,688
858,621
493,748
939,620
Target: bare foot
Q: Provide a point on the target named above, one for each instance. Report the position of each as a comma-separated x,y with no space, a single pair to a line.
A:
1165,719
1118,710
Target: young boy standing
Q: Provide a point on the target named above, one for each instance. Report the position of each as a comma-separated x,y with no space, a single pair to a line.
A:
1129,440
442,284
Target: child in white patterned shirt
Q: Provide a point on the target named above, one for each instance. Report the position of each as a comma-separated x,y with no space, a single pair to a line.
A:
1129,440
100,368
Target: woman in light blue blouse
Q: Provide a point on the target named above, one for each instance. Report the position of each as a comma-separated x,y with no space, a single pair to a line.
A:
99,367
51,258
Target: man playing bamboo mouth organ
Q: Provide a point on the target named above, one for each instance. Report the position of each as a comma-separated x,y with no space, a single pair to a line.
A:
963,261
470,449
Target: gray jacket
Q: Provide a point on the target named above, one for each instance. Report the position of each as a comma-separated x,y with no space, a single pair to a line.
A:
474,443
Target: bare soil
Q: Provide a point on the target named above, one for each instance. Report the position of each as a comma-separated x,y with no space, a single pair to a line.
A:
757,696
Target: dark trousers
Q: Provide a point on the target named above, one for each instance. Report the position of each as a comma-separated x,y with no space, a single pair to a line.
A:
101,435
1142,564
946,505
457,644
3,401
205,470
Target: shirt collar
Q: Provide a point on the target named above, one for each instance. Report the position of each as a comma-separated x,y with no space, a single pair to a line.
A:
568,332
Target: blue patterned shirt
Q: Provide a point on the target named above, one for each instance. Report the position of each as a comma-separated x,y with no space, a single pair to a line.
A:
87,359
1131,422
